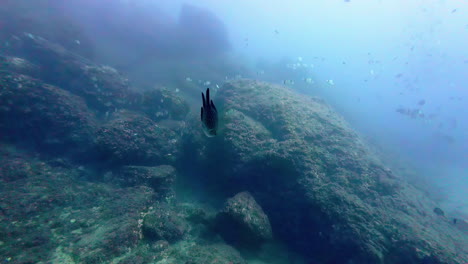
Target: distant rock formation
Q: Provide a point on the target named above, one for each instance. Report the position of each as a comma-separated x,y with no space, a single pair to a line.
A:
202,32
45,19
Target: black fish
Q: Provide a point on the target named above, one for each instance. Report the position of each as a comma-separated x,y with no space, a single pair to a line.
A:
209,115
438,211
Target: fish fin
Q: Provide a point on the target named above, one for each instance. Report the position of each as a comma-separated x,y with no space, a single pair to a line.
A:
201,113
212,105
208,96
203,98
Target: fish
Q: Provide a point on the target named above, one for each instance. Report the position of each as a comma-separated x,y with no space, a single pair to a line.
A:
421,102
439,211
209,115
461,224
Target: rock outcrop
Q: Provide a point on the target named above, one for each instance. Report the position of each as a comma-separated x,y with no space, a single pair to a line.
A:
42,116
324,192
243,223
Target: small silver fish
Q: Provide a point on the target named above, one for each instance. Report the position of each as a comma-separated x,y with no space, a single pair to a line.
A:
209,115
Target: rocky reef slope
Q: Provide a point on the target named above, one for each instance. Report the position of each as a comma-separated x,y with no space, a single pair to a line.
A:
88,170
325,193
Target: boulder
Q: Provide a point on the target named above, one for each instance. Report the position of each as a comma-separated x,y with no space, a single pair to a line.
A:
159,104
132,139
35,114
104,89
325,193
243,223
19,65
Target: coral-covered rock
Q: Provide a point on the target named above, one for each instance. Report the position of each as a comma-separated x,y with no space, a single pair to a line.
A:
132,139
35,114
48,215
103,88
242,222
323,190
45,19
160,104
19,65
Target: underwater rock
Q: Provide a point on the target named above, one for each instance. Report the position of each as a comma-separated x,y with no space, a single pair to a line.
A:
326,195
163,223
102,87
46,19
19,65
47,214
243,223
105,89
132,139
159,178
111,238
159,104
41,116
